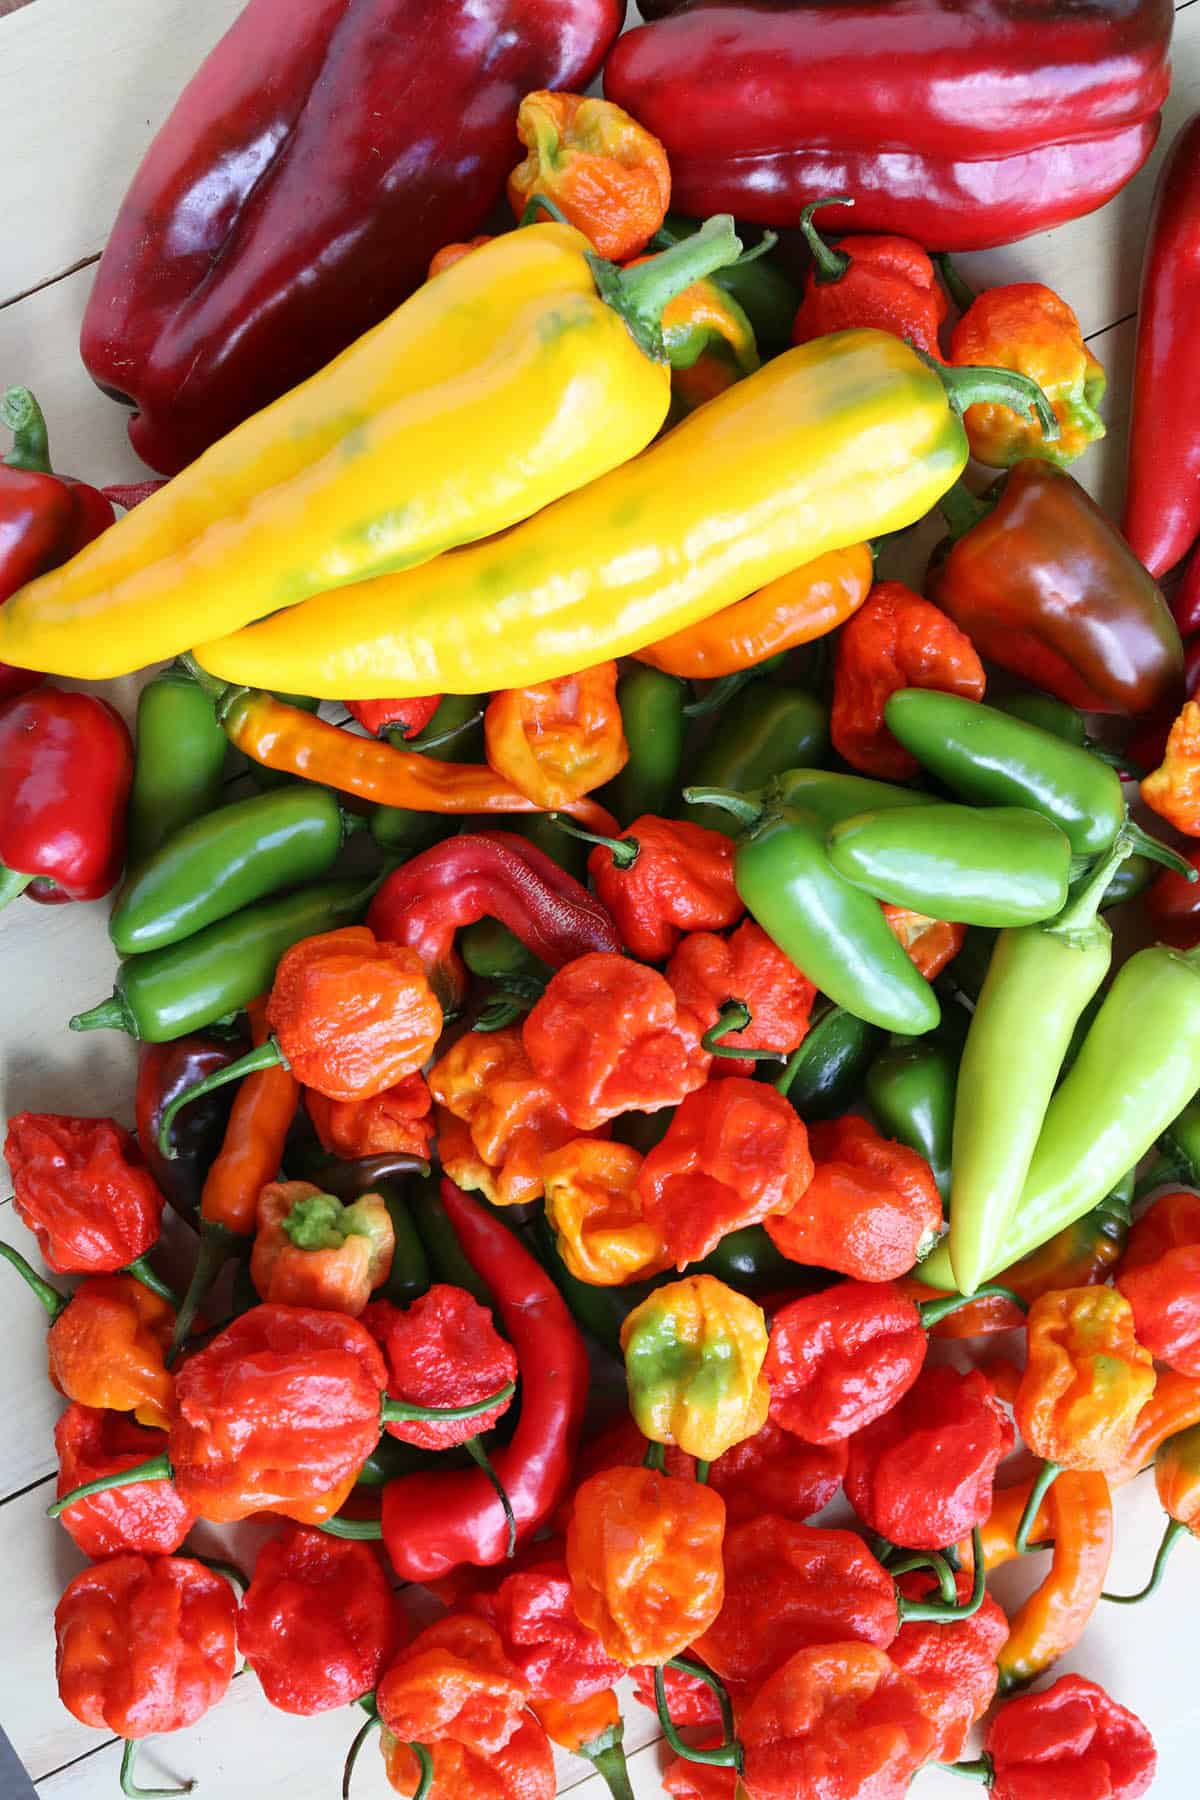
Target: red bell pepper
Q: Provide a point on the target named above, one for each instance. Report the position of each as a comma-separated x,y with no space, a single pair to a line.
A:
44,518
962,127
1162,497
296,193
66,761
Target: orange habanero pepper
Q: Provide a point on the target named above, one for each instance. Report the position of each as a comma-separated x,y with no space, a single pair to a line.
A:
559,739
603,170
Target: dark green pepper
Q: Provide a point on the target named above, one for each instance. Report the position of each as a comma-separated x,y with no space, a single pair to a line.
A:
454,734
910,1089
447,1259
184,987
998,866
1061,720
825,1076
409,1277
601,1311
1131,879
826,793
748,1260
494,953
761,733
178,764
653,719
392,1457
543,831
760,287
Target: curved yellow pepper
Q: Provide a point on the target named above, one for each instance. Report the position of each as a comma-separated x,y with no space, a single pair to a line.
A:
845,438
502,384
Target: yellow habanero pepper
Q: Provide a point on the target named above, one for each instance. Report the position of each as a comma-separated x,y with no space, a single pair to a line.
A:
845,438
525,370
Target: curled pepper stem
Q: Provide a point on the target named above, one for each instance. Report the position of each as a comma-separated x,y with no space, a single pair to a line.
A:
398,1411
764,247
266,1056
155,1468
217,1245
1141,843
623,850
956,285
607,1756
478,1454
1176,1529
1079,914
360,1737
723,1756
641,294
973,384
744,809
13,883
141,1271
54,1302
1047,1475
723,690
936,1563
934,1311
439,738
130,1787
735,1016
828,264
937,1611
25,419
359,1530
980,1770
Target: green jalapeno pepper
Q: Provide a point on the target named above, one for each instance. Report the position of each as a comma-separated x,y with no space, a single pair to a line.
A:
653,719
824,1077
454,734
826,793
446,1257
215,865
761,733
178,764
1005,865
760,287
748,1260
183,987
910,1089
494,953
1131,879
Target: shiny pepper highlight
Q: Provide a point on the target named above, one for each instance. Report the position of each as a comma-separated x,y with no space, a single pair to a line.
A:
1086,1378
694,1353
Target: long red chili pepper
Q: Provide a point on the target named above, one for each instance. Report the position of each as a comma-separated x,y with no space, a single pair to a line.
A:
435,1522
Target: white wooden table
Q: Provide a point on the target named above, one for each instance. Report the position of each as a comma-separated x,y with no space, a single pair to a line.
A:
85,84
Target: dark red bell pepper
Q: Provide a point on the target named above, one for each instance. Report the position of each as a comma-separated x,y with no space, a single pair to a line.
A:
1186,602
164,1072
961,123
44,518
66,761
309,170
1162,496
492,875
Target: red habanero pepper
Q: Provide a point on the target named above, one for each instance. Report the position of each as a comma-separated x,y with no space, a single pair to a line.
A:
871,1210
497,1122
66,762
523,1770
44,518
435,1522
163,1071
931,943
922,1474
384,1124
662,878
407,717
732,1154
559,739
608,1036
685,1780
746,969
1159,1276
603,170
148,1519
1071,1739
896,639
774,1472
81,1187
319,1622
690,1701
455,1684
1173,905
841,1358
443,1351
1162,495
495,875
884,283
953,1662
560,1659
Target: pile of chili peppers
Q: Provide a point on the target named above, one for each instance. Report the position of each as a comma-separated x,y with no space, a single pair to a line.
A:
734,1015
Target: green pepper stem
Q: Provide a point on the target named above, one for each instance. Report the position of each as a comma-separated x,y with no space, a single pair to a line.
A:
129,1786
642,293
607,1756
109,1015
624,850
1046,1477
1144,845
702,1468
217,1245
424,744
1079,914
973,384
141,1271
360,1530
1176,1529
13,883
936,1610
266,1056
360,1738
744,810
958,288
962,510
425,1762
934,1311
723,690
53,1301
936,1563
475,1450
155,1468
655,1457
25,419
396,1412
724,1756
542,203
979,1770
735,1016
764,247
828,264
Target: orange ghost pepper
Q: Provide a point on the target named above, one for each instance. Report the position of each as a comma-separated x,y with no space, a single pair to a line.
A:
604,171
107,1342
1027,327
1174,1406
749,969
1173,790
734,1152
396,1120
808,603
596,1212
453,1683
884,283
662,878
708,340
895,640
871,1210
644,1556
509,1120
593,1729
523,1770
931,943
449,254
559,739
311,1250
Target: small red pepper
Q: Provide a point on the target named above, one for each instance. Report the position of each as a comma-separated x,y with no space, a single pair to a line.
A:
1071,1740
922,1474
66,761
319,1622
532,1610
407,717
690,1701
882,283
454,1684
953,1662
81,1187
840,1359
497,875
1173,905
773,1472
662,878
442,1351
148,1518
710,973
1160,1277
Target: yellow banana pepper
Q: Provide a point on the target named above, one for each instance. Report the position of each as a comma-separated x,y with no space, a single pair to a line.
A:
523,371
843,439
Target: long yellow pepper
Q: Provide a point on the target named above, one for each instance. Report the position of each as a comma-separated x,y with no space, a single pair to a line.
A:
525,370
843,439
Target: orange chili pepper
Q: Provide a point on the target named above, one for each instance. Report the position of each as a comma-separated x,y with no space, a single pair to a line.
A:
394,1121
808,603
1173,790
1029,328
1086,1378
931,943
263,1109
597,1214
604,171
1173,1406
449,254
559,739
107,1348
574,1723
311,1250
497,1122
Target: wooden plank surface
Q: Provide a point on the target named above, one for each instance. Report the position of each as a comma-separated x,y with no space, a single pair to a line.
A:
86,84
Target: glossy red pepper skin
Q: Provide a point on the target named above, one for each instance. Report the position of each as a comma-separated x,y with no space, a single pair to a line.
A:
1162,494
405,717
496,875
436,1522
292,199
66,761
147,1518
954,124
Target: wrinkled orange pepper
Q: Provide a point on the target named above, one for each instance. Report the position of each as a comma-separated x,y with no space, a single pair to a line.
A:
931,943
449,254
311,1250
108,1348
597,1215
1173,790
509,1120
1174,1406
395,1121
1086,1378
1027,327
559,739
603,170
